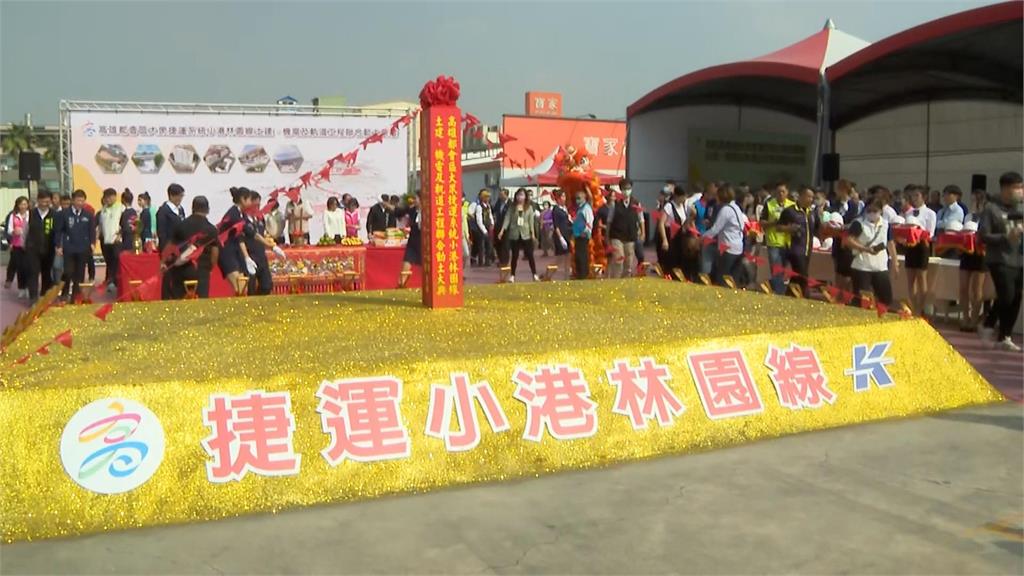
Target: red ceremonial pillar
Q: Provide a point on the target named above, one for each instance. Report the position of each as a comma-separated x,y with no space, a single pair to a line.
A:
441,194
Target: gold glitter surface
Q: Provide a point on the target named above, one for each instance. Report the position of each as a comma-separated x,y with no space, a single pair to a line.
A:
172,356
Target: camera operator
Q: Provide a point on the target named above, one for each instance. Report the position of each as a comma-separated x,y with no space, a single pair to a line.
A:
1000,229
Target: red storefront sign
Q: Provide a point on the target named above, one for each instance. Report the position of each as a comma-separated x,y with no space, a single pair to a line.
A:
543,104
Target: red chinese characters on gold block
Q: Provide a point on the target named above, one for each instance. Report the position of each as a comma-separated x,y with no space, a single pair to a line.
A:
441,202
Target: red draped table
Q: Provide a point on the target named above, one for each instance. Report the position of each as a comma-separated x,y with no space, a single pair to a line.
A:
384,266
309,269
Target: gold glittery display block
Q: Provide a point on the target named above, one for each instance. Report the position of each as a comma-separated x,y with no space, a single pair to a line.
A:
202,409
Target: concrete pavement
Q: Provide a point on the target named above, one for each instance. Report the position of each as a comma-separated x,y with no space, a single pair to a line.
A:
934,495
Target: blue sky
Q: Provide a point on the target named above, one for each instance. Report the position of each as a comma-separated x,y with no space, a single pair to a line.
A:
600,55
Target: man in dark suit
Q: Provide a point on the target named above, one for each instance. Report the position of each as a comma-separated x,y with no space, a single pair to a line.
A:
39,245
75,240
381,216
168,217
197,231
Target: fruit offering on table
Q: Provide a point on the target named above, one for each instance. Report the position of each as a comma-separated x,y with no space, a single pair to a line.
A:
305,267
395,237
351,241
325,240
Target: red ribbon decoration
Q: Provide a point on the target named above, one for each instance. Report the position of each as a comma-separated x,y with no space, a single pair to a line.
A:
325,173
506,138
470,120
44,349
530,153
23,359
222,237
305,178
103,311
64,338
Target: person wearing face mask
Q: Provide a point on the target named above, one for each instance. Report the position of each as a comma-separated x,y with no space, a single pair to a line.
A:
1001,228
582,230
872,249
623,226
521,230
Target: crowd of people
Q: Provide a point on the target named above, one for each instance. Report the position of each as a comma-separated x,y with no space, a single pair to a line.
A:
518,224
700,230
54,241
704,230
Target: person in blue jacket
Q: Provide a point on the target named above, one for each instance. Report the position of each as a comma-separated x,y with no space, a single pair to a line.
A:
75,240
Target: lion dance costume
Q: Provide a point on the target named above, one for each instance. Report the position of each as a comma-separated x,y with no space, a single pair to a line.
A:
574,175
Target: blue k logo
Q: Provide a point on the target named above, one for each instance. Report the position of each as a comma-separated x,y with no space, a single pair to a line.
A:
869,363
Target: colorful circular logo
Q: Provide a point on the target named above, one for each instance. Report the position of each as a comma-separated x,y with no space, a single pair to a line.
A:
112,445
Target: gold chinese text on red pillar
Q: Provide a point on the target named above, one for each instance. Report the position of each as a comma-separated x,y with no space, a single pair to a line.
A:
441,199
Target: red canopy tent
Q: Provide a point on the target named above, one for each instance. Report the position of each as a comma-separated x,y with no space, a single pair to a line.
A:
784,80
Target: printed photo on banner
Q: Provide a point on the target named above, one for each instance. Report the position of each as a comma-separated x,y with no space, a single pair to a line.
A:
208,154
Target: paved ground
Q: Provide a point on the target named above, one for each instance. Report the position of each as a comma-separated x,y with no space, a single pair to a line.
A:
935,495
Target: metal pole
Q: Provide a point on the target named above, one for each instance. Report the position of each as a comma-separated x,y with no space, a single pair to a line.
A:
64,133
927,139
824,137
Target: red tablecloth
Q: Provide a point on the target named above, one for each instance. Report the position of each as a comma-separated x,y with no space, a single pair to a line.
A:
142,267
383,265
